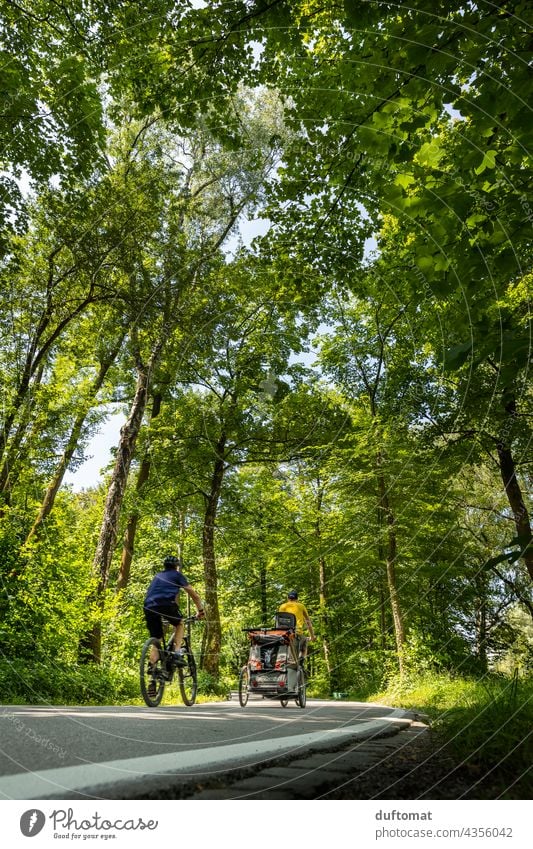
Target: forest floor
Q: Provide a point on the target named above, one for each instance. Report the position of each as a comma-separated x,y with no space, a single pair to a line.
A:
426,770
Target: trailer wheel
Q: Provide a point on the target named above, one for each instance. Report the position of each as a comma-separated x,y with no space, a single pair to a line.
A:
301,698
244,682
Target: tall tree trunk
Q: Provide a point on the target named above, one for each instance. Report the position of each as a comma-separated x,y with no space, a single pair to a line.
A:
214,631
481,619
182,515
72,443
263,586
383,630
115,496
382,589
391,553
324,621
133,519
323,590
516,501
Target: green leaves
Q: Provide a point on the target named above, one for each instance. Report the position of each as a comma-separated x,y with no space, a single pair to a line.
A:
488,161
431,154
456,356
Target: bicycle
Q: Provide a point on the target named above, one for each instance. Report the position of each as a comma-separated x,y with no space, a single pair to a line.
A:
162,671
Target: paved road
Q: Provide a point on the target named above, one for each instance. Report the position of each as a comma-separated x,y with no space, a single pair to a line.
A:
128,752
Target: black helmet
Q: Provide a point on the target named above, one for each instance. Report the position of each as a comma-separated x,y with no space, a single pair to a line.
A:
293,594
172,562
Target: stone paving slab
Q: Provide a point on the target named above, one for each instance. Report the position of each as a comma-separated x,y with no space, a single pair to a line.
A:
229,795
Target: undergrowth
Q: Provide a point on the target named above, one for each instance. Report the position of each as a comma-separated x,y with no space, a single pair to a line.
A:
86,684
41,682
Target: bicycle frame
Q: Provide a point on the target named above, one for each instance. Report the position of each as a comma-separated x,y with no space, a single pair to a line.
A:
167,645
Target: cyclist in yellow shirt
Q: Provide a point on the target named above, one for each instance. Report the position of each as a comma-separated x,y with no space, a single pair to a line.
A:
292,605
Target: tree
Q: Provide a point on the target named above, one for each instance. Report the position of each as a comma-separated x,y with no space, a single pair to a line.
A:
225,421
442,147
50,285
209,196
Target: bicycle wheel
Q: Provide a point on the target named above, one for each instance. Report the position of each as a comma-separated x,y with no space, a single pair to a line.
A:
152,675
188,680
301,698
244,683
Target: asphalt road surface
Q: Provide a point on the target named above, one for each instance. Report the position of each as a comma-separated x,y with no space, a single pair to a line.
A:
127,752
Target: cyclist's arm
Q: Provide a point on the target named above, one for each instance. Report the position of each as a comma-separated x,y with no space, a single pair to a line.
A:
310,628
195,597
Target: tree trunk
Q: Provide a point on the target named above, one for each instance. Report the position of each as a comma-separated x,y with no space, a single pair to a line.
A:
481,619
383,630
516,501
115,495
323,591
214,631
183,528
391,553
264,597
23,387
324,620
131,527
128,437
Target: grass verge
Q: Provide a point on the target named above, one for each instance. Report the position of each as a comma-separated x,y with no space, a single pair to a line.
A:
484,725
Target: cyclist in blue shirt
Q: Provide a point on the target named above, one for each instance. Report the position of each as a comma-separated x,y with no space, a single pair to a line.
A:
161,600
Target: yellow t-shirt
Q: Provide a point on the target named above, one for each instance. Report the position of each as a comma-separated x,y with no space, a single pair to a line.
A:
299,611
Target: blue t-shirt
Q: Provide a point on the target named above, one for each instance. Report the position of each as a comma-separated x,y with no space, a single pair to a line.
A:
164,587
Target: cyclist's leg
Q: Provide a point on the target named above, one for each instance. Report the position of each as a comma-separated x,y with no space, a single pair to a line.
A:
179,631
303,647
175,617
294,649
155,629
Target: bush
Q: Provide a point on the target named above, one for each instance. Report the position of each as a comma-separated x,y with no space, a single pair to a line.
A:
210,686
49,683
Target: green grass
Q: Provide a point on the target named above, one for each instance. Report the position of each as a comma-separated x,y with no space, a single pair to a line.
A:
486,725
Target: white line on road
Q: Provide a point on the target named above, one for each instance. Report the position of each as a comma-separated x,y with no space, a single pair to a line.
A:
55,783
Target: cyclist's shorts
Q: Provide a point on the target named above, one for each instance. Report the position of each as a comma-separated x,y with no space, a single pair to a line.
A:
153,617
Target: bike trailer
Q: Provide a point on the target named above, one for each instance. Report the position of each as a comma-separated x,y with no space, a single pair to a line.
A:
273,662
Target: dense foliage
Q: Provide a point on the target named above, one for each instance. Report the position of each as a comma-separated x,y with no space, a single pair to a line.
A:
341,405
